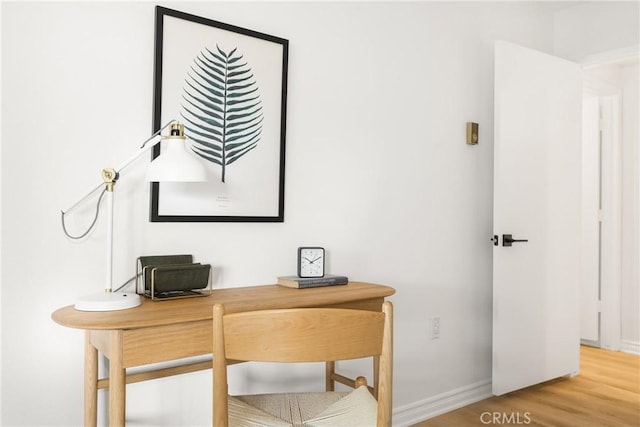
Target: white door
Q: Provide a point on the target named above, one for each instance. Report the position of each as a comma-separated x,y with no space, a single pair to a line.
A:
536,325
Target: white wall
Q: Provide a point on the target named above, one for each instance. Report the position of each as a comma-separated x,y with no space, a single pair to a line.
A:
379,94
0,228
594,27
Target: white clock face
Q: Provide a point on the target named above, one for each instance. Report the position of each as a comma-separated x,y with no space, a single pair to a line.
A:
311,262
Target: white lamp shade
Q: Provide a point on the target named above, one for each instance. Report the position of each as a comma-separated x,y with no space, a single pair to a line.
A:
176,164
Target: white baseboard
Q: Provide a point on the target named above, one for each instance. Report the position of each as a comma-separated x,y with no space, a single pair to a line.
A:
413,413
632,347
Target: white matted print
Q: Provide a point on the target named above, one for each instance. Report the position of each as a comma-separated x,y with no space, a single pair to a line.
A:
228,86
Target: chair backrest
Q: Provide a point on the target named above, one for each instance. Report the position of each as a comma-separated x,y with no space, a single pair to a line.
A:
303,335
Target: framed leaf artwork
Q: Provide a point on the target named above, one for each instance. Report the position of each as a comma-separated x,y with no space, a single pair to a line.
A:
228,86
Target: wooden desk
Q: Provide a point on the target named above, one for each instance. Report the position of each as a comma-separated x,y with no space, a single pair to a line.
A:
159,331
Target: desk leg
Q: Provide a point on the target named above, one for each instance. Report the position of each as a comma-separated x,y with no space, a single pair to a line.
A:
376,380
90,382
117,385
329,382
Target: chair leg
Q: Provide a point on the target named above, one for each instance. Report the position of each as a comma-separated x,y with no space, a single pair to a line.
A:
220,387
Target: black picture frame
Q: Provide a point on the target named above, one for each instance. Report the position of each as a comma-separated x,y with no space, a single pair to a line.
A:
188,49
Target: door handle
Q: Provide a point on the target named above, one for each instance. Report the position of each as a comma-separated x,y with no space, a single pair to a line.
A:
507,240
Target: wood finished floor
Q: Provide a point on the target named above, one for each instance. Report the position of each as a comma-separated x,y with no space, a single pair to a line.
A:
606,393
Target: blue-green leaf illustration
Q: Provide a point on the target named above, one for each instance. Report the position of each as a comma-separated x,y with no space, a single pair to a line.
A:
221,107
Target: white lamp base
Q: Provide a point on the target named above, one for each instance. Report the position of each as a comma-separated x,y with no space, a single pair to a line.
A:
108,301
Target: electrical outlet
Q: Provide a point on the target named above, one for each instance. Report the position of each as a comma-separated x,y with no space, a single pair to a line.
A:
434,327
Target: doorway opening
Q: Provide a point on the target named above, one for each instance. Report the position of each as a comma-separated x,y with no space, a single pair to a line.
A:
607,236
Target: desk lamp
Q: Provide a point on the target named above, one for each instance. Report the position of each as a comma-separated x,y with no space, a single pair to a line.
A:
174,164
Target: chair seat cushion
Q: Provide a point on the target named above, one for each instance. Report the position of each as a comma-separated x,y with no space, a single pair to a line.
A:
334,409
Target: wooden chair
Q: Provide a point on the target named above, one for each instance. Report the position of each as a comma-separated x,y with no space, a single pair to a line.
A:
303,335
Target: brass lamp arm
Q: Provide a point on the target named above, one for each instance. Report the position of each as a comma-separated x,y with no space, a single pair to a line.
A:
146,145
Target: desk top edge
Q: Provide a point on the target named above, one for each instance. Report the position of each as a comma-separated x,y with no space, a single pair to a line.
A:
158,313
